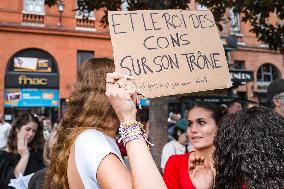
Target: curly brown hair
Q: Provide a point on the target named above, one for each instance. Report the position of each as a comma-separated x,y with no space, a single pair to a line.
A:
88,107
36,144
249,150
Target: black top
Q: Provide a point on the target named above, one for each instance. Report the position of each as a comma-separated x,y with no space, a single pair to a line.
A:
37,179
8,162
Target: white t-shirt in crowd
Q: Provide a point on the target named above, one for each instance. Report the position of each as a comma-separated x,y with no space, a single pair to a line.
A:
4,132
171,148
91,147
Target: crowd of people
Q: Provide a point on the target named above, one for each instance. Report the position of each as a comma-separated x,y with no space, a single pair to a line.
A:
231,146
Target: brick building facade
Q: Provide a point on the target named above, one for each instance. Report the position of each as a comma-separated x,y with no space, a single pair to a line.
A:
252,55
61,40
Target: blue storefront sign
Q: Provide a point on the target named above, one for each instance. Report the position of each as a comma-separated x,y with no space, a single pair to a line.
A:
31,98
145,102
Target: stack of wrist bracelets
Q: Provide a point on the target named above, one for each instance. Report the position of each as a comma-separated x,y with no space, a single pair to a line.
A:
132,131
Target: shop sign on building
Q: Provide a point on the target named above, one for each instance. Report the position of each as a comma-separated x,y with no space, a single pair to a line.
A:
261,86
30,64
31,80
241,75
31,98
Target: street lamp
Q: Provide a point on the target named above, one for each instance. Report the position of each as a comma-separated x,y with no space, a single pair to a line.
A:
60,6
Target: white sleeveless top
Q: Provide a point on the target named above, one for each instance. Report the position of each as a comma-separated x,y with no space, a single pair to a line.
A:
91,147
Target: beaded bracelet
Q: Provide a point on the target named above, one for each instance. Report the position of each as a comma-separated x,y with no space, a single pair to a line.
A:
132,131
131,123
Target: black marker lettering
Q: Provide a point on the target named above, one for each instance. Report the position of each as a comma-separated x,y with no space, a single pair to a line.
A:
167,18
216,60
114,25
153,22
160,43
176,64
183,20
143,61
165,57
186,42
175,41
177,19
145,43
144,22
122,61
131,19
212,22
154,60
138,66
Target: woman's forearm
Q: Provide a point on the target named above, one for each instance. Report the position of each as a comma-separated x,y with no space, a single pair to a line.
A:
21,166
145,173
123,97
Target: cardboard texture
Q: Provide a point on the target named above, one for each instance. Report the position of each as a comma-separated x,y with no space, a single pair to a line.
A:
169,51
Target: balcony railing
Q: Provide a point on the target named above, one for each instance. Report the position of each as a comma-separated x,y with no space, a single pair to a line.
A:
35,19
85,24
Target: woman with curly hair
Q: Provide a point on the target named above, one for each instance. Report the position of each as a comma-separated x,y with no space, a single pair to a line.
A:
181,171
250,150
23,154
86,154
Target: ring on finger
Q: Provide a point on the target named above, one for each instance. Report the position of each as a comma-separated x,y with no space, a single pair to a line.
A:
119,85
110,82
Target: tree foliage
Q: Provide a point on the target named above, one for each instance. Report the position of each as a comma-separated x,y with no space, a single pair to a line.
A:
257,13
85,6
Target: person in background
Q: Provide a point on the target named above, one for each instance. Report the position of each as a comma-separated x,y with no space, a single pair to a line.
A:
172,124
175,146
182,123
47,128
275,96
23,154
235,106
37,180
171,119
180,172
86,154
4,132
56,124
223,108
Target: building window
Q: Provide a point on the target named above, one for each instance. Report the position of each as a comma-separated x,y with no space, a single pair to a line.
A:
34,6
239,64
124,5
201,7
85,14
85,20
267,73
33,12
235,21
83,56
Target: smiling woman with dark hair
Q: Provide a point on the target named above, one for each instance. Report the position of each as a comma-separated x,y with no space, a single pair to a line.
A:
180,172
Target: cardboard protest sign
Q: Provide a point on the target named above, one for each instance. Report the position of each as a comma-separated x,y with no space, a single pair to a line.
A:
169,51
